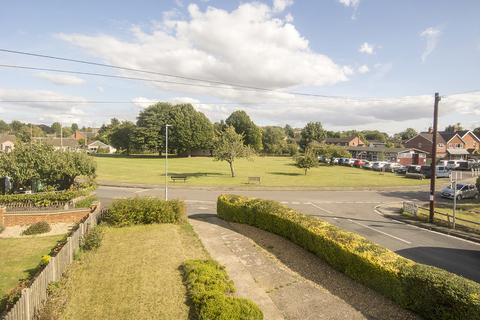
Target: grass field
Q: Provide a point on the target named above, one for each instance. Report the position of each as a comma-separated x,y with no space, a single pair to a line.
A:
462,214
274,171
18,256
133,275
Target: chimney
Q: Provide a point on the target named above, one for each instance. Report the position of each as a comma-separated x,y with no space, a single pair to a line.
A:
430,130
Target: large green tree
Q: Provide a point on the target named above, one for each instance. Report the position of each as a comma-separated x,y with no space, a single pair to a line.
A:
312,132
307,161
190,130
229,146
122,137
245,126
274,140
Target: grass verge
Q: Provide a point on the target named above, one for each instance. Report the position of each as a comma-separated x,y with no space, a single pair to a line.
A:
423,214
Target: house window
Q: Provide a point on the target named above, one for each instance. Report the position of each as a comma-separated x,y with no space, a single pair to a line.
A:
419,144
441,145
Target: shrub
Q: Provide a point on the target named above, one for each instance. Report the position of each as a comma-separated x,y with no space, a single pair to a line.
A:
45,199
431,292
210,291
86,202
92,239
37,228
147,210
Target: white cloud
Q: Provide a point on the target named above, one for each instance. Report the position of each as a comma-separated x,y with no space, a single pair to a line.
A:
348,70
281,5
289,19
367,48
363,69
352,4
247,45
432,36
60,79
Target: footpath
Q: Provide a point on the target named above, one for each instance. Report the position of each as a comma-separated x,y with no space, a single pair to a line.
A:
286,281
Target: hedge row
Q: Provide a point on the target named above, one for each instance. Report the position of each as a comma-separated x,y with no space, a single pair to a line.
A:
130,211
44,199
431,292
210,292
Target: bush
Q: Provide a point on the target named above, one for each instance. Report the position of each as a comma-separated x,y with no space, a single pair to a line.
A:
45,199
431,292
210,291
86,202
93,239
37,228
124,212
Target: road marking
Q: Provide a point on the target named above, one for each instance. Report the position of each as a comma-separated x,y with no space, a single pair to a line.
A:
202,208
379,231
284,202
320,208
295,202
199,201
141,191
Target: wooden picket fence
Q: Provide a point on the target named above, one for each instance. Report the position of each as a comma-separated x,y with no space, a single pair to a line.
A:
33,297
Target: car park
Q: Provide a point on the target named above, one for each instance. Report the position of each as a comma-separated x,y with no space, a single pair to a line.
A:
391,166
463,191
334,161
378,165
367,165
400,170
359,163
348,162
453,164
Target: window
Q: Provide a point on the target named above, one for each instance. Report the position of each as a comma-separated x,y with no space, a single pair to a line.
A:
440,145
419,144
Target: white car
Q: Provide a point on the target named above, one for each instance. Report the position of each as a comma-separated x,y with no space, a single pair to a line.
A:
453,164
378,165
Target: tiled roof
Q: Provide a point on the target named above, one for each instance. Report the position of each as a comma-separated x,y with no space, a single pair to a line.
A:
57,142
7,137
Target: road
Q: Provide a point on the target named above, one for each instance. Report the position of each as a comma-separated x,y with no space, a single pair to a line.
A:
351,210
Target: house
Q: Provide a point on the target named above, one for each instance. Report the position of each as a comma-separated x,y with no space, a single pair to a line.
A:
404,156
95,146
85,136
345,142
450,145
377,143
64,144
7,142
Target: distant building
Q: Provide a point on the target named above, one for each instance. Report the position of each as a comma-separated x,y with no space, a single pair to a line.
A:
345,142
85,136
7,143
404,156
99,146
64,144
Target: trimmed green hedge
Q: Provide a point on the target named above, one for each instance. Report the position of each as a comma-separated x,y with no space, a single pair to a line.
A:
210,292
431,292
45,199
130,211
37,228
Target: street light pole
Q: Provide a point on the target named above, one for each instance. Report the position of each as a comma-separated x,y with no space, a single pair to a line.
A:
166,161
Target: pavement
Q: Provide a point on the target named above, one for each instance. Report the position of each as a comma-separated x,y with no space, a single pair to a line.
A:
348,209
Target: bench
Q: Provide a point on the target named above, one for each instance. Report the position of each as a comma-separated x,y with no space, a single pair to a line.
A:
253,179
175,178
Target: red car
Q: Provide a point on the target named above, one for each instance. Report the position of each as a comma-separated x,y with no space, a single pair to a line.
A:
358,163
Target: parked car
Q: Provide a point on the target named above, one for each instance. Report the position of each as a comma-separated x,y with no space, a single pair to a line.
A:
443,163
467,165
453,164
335,161
413,171
378,165
367,165
359,163
464,191
391,166
440,172
341,160
349,162
400,170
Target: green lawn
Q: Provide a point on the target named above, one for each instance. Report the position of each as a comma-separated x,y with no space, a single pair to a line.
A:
18,256
460,213
274,171
133,275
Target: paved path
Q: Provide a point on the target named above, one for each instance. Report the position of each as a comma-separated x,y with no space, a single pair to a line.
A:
350,210
286,281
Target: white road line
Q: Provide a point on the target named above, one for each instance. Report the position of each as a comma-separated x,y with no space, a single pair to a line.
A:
320,208
379,231
295,202
141,191
199,201
284,202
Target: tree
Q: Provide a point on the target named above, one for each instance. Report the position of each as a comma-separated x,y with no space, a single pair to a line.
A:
57,128
312,132
245,126
329,151
228,146
274,140
289,132
74,127
476,131
191,130
4,127
122,136
307,161
376,135
454,127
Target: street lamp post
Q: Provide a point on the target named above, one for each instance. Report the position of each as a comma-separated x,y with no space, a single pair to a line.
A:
166,161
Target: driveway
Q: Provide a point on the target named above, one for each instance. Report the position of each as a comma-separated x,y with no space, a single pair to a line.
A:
351,210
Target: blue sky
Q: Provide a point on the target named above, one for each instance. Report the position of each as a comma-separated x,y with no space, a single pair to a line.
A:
399,52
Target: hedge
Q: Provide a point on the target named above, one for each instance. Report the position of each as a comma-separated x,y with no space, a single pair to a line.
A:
37,228
147,210
431,292
44,199
211,293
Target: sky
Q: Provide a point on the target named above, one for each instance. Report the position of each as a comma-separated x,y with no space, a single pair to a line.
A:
357,64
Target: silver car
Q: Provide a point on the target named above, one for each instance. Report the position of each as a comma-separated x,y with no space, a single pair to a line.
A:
464,191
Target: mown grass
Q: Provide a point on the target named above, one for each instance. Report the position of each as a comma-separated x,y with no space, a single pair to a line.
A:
274,171
460,213
135,274
18,256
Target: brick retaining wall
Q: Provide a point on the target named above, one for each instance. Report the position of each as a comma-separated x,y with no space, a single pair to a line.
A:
27,218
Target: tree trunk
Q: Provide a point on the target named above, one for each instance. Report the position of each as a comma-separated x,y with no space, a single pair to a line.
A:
306,171
232,169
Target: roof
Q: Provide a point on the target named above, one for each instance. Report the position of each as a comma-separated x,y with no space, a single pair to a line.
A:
458,151
429,137
7,137
463,133
383,149
99,143
58,142
442,136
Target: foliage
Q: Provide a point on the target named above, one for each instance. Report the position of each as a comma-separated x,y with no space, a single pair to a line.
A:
454,127
37,228
247,128
228,146
431,292
37,161
312,132
210,291
86,202
274,140
289,132
45,199
130,211
93,239
45,260
405,135
307,161
191,130
376,135
1,228
292,148
329,151
478,183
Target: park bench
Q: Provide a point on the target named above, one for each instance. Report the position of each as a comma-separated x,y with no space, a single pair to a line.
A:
175,178
253,179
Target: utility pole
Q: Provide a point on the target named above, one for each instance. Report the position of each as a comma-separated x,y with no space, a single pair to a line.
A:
166,161
433,165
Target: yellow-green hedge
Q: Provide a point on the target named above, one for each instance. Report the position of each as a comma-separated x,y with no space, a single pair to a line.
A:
431,292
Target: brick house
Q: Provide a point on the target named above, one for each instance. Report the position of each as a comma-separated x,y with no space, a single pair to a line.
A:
404,156
85,136
7,143
345,142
